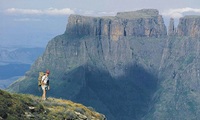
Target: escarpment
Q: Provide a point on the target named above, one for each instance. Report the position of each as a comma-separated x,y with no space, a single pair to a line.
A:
187,26
125,66
141,23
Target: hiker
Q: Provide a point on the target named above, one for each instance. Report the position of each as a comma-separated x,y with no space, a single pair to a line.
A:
45,84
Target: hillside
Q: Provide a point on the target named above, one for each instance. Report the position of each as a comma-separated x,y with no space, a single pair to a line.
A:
24,106
125,66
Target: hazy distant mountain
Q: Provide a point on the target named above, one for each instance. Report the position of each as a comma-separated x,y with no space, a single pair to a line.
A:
15,62
126,66
20,55
12,70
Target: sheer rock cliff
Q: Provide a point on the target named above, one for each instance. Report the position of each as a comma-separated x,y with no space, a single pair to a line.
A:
141,23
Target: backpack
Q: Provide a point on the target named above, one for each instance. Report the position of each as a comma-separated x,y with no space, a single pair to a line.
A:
40,78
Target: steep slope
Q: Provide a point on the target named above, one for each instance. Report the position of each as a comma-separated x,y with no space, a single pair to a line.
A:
178,93
91,79
22,106
124,66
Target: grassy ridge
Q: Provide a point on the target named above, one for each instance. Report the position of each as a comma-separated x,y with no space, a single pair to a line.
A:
23,106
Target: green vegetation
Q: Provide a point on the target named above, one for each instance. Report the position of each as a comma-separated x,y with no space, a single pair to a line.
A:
24,106
144,13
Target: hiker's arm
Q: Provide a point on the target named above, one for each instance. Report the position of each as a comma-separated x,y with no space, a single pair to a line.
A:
43,77
48,83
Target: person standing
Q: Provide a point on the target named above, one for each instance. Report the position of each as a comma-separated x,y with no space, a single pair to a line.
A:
45,84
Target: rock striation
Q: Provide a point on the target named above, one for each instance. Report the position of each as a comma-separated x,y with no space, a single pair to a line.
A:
141,23
171,29
188,26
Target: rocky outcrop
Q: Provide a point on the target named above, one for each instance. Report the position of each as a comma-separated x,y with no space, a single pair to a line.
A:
189,26
141,23
171,28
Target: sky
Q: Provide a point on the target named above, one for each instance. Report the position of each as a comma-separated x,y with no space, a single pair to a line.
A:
33,23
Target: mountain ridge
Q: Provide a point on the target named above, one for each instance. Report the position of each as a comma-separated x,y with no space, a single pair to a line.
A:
141,23
24,106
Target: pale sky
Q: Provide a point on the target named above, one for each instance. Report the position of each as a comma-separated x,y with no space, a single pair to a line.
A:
34,22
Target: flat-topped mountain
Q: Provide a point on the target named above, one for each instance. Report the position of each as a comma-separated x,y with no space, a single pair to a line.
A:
125,66
141,23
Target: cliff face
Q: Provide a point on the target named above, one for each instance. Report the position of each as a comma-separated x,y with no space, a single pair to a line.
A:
171,29
141,23
188,26
125,66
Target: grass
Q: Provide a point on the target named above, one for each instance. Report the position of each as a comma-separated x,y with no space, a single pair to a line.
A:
24,106
148,13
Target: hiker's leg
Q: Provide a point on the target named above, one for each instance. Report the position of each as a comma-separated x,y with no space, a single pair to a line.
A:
45,94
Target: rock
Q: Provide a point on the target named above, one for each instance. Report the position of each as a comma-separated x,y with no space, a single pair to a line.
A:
31,108
81,116
171,28
141,23
29,115
189,26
